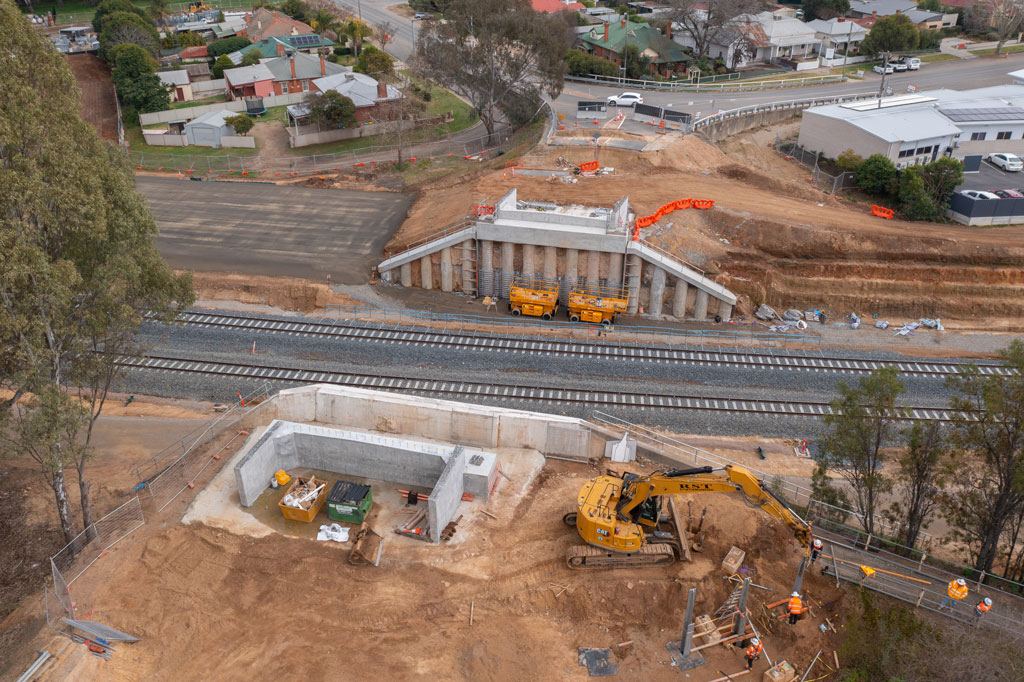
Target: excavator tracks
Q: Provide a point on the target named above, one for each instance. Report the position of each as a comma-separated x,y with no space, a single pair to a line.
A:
582,557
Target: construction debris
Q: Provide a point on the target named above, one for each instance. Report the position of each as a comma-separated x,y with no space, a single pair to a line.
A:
303,495
333,532
597,661
449,530
732,562
415,527
730,676
367,549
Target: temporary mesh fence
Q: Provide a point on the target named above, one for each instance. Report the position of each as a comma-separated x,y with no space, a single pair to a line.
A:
832,184
199,165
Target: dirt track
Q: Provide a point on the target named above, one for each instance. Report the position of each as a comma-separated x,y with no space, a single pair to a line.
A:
772,237
98,107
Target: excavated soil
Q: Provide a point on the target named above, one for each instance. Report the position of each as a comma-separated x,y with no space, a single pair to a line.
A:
286,293
772,238
295,609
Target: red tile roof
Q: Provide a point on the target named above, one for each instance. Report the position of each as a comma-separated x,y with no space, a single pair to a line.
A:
265,23
193,52
554,5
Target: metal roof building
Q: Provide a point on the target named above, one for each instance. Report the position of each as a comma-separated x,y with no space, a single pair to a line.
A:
920,127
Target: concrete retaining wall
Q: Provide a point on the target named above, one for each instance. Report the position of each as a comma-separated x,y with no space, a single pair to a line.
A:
289,445
446,494
730,126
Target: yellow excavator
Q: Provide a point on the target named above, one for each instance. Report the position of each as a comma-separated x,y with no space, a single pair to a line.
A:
620,516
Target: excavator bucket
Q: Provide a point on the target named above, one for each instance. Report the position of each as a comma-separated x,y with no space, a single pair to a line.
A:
679,521
367,548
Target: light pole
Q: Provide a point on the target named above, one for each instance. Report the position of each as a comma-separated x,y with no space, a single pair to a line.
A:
359,4
412,23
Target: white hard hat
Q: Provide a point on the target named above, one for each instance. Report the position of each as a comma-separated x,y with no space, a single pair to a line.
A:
988,602
795,594
817,542
755,641
961,582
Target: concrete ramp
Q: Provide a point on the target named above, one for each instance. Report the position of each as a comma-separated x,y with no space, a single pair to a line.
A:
455,235
678,269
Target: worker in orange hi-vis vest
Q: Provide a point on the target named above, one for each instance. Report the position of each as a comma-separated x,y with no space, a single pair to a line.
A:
981,609
753,652
955,591
795,607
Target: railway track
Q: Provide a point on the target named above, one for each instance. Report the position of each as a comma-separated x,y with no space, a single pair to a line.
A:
486,342
500,392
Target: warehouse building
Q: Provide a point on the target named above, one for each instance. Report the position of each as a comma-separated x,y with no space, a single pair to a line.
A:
921,127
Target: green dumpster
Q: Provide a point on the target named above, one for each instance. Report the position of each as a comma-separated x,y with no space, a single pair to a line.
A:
349,502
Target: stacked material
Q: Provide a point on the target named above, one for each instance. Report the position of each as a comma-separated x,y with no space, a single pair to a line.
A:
303,495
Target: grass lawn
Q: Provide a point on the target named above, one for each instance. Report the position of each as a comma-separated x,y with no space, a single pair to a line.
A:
199,102
137,143
992,50
938,58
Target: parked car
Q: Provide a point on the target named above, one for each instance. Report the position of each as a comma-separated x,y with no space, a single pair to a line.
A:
899,66
1008,162
978,194
625,99
1007,193
912,63
422,15
887,69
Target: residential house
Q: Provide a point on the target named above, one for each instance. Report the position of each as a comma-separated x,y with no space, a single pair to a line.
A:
295,73
646,8
767,37
840,38
265,23
249,81
920,127
611,38
208,129
194,54
884,8
178,84
279,46
370,96
555,5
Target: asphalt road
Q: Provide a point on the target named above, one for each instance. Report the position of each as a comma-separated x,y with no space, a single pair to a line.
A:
265,229
376,12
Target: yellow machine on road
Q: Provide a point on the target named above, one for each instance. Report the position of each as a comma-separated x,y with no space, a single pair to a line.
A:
620,517
592,303
536,297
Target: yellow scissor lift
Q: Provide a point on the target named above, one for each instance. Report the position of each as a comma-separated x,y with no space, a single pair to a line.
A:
536,297
598,304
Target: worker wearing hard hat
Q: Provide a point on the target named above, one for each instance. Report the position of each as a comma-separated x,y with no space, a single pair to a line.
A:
981,609
753,652
795,607
816,547
955,591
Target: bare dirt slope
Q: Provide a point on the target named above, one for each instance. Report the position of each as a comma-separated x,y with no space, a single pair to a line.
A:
773,237
98,107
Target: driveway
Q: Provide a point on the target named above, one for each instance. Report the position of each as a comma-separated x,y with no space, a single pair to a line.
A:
991,177
278,230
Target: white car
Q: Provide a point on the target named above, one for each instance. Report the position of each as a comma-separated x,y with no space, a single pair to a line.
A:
1008,162
625,99
978,194
899,66
913,63
887,69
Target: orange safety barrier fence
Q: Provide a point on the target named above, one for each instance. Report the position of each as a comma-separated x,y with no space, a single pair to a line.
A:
882,212
678,205
589,166
483,210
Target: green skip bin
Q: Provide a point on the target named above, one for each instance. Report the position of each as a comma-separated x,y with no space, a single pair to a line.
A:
349,502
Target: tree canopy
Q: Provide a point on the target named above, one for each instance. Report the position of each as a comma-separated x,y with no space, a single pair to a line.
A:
108,7
825,9
127,27
331,109
376,63
134,76
490,51
895,33
78,254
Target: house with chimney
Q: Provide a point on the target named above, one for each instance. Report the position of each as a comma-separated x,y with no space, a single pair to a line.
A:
279,46
370,96
763,38
249,81
265,23
296,72
610,39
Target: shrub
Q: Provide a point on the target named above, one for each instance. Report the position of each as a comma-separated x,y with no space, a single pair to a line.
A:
849,161
241,123
225,45
876,175
222,64
581,63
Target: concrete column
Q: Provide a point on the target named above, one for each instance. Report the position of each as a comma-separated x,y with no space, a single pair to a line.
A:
700,308
550,262
614,269
508,267
679,302
468,276
405,272
657,292
426,272
446,269
485,269
593,267
724,311
529,260
572,265
634,272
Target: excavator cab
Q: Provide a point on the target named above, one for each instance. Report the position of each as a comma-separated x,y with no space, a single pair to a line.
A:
647,513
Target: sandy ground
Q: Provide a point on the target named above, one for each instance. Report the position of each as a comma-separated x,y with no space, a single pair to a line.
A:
237,598
772,237
219,290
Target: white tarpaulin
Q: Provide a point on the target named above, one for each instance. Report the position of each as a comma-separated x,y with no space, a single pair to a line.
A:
622,451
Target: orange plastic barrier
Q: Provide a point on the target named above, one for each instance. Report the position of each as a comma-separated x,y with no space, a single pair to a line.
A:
882,212
483,210
678,205
588,166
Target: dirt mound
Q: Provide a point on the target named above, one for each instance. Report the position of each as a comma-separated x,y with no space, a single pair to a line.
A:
688,153
280,292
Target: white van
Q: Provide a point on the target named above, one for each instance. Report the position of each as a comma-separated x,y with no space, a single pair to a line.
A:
912,63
